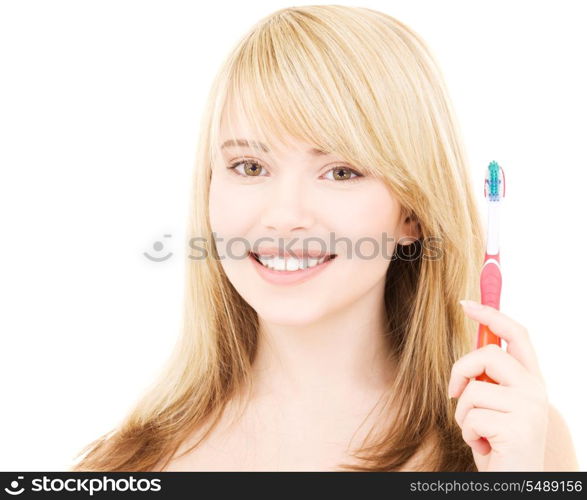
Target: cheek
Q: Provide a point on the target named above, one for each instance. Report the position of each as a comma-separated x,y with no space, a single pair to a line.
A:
369,220
219,206
232,213
358,217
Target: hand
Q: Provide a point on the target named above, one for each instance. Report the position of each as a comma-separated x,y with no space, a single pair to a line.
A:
513,413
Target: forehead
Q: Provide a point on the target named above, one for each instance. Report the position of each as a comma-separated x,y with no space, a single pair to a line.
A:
237,133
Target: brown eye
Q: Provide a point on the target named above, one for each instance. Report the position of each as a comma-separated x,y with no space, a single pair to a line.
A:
344,174
251,168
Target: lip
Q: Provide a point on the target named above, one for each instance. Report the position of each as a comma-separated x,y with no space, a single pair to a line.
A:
288,277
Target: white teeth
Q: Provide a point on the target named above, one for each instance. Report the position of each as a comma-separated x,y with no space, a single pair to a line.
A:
289,263
293,264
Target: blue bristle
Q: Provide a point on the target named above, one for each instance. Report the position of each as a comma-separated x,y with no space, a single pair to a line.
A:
493,182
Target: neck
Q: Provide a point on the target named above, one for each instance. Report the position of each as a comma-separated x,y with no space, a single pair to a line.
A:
344,356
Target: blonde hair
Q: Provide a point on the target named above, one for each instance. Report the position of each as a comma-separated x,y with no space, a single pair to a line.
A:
358,82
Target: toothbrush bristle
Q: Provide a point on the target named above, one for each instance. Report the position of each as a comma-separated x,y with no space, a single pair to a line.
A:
494,182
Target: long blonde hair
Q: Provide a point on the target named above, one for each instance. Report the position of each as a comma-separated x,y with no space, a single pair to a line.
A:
361,83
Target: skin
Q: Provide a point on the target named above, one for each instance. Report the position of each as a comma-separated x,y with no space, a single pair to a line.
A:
523,431
320,365
322,340
321,355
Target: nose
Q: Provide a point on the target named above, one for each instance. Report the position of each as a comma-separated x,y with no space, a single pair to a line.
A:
287,207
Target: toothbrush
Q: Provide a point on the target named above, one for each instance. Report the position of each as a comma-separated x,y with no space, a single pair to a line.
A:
490,281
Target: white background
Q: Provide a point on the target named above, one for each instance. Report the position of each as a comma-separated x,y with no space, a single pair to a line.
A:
100,105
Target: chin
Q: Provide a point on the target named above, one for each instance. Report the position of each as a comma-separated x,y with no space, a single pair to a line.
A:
288,316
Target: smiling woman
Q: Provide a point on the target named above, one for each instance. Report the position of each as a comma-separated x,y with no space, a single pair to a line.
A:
326,128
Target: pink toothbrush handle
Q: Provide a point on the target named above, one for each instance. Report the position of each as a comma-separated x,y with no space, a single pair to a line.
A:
491,282
490,294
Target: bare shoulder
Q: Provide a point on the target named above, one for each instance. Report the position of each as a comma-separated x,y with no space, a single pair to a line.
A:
560,452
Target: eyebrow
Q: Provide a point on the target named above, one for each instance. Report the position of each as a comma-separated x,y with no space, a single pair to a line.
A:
231,143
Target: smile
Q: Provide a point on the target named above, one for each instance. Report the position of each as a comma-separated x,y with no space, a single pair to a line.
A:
289,270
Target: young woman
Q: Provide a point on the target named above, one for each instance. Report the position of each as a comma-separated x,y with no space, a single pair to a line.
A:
329,132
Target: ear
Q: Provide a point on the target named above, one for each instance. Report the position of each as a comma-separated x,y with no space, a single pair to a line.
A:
409,229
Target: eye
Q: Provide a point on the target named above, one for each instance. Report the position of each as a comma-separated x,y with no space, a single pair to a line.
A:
252,168
343,174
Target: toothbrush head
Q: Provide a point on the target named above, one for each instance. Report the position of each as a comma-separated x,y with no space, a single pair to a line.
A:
494,189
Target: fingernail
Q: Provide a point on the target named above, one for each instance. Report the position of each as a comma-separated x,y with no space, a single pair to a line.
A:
470,304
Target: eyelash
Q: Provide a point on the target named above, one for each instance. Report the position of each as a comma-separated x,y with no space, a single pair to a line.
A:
232,167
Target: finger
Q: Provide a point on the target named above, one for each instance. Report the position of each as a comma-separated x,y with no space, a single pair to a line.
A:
481,423
491,359
480,394
482,446
516,335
